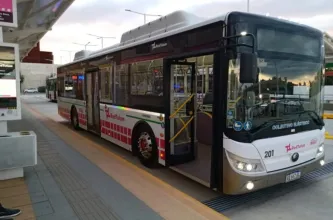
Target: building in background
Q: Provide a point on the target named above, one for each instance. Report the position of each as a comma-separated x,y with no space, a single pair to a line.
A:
37,56
35,74
36,67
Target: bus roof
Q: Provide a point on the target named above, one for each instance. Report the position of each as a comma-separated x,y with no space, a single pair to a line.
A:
171,24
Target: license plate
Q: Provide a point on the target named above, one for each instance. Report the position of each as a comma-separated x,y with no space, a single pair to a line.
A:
293,176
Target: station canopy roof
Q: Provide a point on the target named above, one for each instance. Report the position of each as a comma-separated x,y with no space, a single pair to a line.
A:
35,18
329,48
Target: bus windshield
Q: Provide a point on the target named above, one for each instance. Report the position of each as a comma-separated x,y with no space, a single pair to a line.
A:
288,95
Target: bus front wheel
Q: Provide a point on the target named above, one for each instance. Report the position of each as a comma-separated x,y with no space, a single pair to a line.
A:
145,146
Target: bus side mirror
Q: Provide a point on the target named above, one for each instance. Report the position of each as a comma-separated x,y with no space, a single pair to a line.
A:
248,68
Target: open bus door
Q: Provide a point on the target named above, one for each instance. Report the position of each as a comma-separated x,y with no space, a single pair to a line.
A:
182,112
92,100
194,136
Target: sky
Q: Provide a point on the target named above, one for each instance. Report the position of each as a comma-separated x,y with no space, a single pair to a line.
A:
108,18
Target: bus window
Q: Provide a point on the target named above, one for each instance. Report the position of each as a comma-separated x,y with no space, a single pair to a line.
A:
106,85
147,78
80,86
70,85
121,84
61,86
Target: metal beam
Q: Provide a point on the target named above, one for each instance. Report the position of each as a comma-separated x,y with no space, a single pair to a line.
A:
27,46
20,1
61,10
25,32
329,46
26,14
42,9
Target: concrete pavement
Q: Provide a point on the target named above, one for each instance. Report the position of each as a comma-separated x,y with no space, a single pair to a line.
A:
312,201
78,179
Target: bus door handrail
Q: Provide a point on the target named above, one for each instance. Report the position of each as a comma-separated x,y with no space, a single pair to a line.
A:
180,107
178,133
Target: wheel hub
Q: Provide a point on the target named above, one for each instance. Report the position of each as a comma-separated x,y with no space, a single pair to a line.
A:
145,145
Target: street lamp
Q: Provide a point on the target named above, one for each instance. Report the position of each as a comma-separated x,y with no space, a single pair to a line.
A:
248,5
144,14
100,37
85,45
70,53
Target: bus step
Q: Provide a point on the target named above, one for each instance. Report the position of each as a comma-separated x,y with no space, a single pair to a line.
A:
226,202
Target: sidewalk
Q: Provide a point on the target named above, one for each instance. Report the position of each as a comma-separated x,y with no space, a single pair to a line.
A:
78,179
59,192
14,194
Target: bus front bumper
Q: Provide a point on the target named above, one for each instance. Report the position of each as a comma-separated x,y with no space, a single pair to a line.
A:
235,183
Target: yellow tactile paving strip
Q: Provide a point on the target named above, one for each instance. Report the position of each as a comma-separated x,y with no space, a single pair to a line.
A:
164,199
14,194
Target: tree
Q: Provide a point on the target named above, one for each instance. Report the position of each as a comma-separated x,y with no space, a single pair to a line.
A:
21,79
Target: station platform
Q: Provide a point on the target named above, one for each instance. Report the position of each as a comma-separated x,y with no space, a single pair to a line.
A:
81,176
78,179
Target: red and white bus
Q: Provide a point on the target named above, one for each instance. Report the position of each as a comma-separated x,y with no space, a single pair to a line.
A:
211,99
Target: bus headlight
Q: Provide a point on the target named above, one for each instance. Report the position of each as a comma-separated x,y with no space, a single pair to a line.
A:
320,150
244,164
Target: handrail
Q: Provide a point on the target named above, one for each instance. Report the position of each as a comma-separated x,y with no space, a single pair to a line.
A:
178,133
181,106
183,122
206,113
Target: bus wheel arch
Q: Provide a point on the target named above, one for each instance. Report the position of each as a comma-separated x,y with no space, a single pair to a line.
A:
144,144
74,118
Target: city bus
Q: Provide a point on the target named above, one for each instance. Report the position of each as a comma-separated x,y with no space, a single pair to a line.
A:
211,99
51,88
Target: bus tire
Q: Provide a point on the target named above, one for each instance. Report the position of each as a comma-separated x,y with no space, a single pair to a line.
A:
144,145
74,119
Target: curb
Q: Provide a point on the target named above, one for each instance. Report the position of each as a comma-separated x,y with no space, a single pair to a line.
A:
327,116
328,136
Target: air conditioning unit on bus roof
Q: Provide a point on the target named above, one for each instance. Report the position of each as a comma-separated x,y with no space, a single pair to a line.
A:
175,20
81,54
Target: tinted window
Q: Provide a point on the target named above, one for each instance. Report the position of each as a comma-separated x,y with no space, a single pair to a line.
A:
61,86
80,86
121,84
147,78
106,84
287,42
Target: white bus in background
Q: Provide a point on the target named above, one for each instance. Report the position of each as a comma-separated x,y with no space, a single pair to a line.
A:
328,94
233,140
302,91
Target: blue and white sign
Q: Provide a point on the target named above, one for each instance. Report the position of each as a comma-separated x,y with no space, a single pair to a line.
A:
247,126
230,114
238,126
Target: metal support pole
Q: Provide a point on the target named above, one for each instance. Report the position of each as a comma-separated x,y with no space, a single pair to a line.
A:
248,5
3,124
1,34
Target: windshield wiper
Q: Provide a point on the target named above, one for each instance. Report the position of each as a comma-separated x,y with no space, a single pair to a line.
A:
315,118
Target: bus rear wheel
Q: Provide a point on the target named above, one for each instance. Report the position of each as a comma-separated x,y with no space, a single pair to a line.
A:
75,119
145,146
